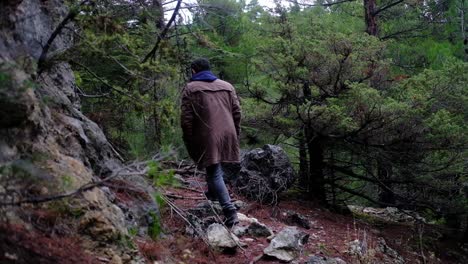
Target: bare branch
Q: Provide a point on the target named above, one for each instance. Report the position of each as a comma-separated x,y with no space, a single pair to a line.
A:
106,83
387,6
70,16
161,36
83,188
324,4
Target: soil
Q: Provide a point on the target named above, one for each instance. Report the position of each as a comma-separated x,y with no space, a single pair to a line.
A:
329,234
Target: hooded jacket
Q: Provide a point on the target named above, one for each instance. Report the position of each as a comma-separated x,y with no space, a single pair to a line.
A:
210,120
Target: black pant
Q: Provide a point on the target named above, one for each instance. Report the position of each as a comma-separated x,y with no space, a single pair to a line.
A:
217,187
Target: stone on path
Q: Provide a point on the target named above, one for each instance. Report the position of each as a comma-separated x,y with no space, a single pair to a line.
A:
324,260
297,219
259,230
287,244
219,237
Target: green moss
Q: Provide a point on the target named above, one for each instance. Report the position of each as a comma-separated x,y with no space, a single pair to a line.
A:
65,207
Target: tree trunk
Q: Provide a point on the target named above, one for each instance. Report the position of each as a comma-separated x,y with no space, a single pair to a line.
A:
303,164
156,116
157,129
158,12
384,173
370,17
316,184
463,27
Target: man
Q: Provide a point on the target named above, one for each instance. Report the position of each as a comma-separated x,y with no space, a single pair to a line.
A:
210,122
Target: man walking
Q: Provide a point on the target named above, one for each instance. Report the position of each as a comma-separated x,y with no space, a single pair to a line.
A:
210,121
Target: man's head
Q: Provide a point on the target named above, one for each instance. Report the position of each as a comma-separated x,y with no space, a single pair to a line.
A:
199,65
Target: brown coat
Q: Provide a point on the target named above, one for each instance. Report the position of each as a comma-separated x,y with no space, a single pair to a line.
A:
210,121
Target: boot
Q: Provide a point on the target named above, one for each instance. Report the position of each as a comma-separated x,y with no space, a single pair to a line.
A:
230,218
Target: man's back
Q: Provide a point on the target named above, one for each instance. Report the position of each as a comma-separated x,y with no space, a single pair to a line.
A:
211,121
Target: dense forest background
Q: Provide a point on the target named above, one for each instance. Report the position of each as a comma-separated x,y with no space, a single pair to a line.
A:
368,98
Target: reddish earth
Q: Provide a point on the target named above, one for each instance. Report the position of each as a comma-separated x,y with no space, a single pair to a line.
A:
20,245
50,239
329,235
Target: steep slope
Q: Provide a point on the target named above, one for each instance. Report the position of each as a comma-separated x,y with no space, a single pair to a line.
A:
48,148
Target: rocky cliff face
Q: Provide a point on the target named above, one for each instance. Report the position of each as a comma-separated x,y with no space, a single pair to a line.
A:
43,135
41,112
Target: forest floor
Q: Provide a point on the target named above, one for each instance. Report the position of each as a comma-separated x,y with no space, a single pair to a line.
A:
53,240
330,235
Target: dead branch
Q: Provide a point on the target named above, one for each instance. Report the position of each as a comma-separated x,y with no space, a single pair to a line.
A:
181,214
80,190
256,259
161,36
107,84
129,170
188,189
70,16
174,196
320,4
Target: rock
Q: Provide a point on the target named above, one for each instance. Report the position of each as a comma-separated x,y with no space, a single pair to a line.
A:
139,207
205,209
196,225
116,259
40,119
17,102
259,230
239,230
104,225
286,244
265,173
390,255
243,218
356,247
388,214
324,260
296,219
219,237
250,225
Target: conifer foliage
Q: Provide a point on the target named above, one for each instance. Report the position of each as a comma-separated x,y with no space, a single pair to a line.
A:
368,98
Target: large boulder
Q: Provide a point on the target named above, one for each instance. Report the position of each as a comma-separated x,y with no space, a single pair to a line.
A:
265,172
287,244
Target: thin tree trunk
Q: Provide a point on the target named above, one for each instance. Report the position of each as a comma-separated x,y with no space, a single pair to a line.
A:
463,27
370,17
156,115
332,178
303,164
159,14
